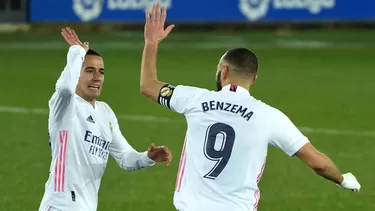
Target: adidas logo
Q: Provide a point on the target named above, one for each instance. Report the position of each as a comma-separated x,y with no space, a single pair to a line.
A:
90,119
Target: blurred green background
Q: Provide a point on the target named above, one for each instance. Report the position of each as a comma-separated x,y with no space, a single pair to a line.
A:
323,80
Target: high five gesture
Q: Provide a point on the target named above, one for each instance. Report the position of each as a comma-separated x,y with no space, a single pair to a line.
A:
71,38
154,33
154,26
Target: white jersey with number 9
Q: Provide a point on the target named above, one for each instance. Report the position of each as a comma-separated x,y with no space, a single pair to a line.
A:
225,147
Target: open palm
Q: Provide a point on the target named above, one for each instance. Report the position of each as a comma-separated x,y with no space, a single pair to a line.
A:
71,38
154,26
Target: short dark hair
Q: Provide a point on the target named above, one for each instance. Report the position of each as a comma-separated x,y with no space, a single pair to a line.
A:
92,52
242,61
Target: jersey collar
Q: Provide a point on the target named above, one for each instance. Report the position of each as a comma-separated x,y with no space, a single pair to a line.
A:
87,103
235,89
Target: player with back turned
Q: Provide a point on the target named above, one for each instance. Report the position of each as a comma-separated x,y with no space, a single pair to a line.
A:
228,131
83,132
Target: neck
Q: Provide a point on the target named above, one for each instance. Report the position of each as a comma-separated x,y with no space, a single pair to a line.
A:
241,83
90,100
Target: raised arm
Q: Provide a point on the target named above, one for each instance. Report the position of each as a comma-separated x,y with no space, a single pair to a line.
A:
63,97
154,32
179,98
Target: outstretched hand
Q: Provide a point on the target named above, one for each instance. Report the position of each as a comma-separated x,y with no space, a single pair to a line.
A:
350,182
160,154
71,38
154,26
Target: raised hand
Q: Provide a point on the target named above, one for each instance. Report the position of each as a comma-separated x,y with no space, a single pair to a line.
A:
154,26
71,38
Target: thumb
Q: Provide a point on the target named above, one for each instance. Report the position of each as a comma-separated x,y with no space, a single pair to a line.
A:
152,147
86,44
169,29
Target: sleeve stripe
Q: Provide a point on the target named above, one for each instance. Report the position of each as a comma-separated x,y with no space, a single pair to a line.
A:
165,103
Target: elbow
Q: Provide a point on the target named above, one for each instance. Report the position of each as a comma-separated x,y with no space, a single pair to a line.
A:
321,164
320,168
314,159
144,89
148,88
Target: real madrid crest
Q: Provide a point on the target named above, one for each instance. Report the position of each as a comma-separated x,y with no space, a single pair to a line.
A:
110,126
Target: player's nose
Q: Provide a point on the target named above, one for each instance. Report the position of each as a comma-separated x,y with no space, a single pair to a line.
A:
97,77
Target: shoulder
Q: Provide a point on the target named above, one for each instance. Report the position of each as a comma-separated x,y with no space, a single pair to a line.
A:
278,117
104,107
192,93
190,89
267,110
184,94
180,98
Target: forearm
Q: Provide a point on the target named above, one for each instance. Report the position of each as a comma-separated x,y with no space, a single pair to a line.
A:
149,57
125,155
134,161
149,84
68,80
329,170
62,99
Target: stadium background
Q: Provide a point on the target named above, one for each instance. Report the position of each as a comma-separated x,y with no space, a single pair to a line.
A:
316,65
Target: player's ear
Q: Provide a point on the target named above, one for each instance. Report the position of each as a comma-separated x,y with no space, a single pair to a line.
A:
254,79
225,72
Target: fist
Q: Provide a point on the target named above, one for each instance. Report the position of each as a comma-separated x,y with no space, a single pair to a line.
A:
350,182
160,154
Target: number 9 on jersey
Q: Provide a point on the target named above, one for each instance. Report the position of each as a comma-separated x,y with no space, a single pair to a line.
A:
221,154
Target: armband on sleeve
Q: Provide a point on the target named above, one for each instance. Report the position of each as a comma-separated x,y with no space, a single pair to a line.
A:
165,95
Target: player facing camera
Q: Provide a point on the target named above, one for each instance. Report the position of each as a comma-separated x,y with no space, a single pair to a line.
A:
91,77
84,132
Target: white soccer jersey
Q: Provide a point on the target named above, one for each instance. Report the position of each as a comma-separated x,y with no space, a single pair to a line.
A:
225,148
81,138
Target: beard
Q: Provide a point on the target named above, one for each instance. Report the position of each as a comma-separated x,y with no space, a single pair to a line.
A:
218,82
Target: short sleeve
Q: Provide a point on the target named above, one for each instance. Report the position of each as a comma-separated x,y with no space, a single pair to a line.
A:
180,98
285,135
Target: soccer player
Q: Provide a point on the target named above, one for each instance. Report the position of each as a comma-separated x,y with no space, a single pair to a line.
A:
83,132
228,131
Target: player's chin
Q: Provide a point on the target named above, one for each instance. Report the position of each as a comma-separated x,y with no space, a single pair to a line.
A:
94,93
